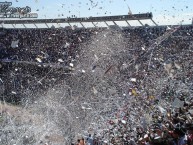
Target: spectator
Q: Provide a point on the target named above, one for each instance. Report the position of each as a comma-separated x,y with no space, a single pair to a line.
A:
90,140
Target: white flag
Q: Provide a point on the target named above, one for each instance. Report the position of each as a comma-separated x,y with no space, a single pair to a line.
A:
14,44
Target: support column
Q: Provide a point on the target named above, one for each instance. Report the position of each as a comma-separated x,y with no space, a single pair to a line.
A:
128,23
106,23
69,24
2,25
82,24
154,22
94,24
114,23
24,25
47,25
35,25
13,25
140,22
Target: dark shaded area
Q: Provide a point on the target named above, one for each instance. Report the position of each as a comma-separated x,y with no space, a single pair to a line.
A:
23,81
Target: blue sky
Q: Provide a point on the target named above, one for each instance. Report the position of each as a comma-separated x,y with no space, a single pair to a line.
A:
164,11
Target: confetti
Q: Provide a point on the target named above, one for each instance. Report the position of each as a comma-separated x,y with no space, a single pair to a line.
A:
71,93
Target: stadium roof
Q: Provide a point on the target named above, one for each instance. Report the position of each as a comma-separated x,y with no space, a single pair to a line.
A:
69,21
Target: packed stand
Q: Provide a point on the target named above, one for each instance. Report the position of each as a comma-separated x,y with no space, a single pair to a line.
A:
150,114
27,55
164,116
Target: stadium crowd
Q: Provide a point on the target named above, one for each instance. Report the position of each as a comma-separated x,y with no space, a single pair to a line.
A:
22,50
169,124
168,127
